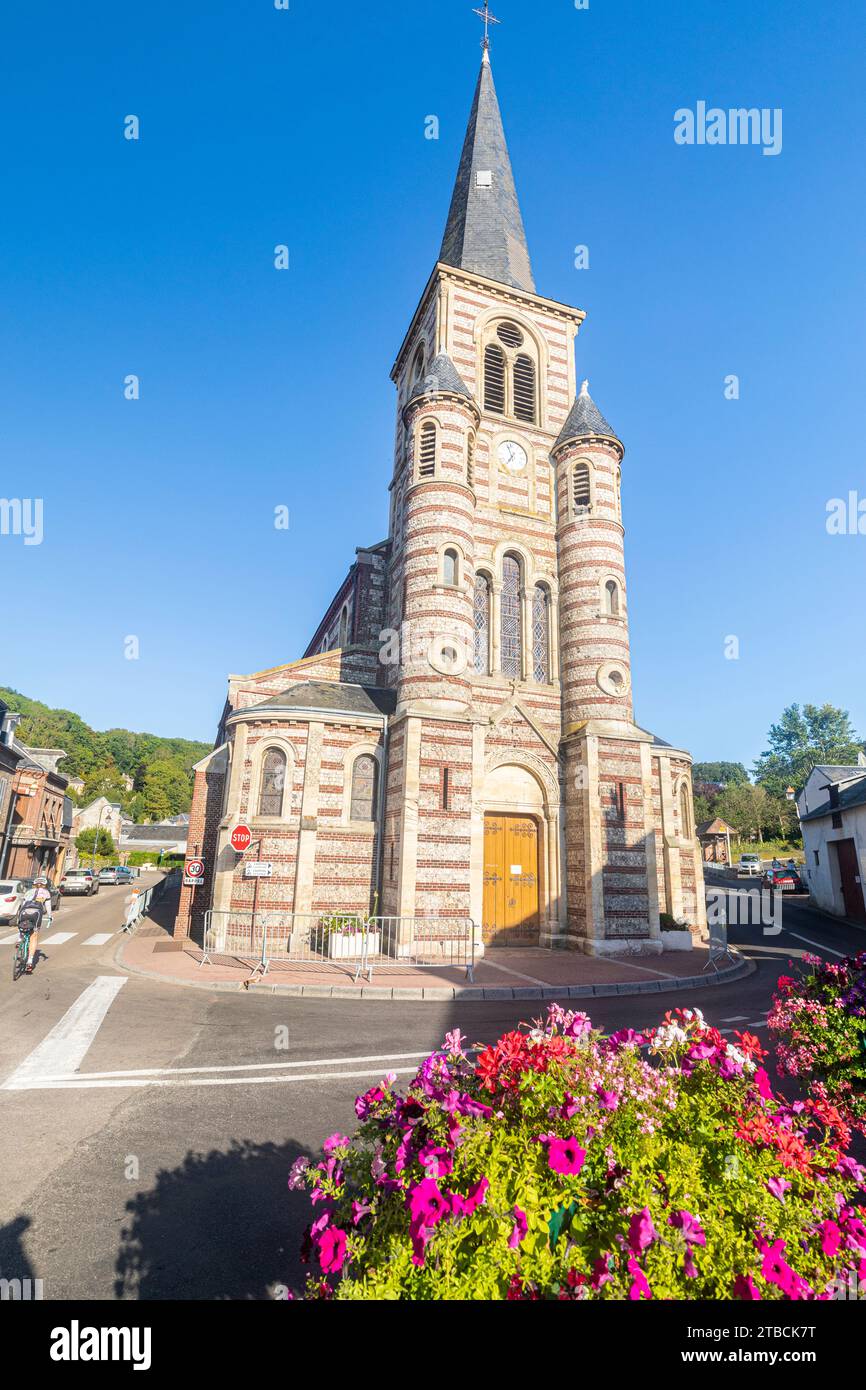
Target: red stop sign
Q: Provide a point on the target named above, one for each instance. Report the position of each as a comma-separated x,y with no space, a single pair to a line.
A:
241,838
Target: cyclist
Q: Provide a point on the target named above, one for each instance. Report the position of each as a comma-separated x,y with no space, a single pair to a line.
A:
34,911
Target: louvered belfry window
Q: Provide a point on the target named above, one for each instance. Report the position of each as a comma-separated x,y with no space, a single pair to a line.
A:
541,635
482,625
524,389
512,623
510,335
582,489
273,783
494,379
427,451
365,777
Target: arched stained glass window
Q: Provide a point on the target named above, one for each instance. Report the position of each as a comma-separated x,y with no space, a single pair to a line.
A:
541,635
511,645
273,783
365,779
482,625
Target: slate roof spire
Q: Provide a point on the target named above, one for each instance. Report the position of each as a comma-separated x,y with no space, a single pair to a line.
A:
485,233
585,421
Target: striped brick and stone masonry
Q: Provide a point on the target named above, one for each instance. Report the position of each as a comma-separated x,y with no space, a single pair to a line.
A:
612,874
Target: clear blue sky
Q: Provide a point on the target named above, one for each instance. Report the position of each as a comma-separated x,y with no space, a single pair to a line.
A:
262,388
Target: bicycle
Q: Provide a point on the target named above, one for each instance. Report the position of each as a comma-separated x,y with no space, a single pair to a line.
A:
21,952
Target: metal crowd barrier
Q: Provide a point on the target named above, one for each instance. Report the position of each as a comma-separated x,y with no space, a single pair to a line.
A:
148,899
364,943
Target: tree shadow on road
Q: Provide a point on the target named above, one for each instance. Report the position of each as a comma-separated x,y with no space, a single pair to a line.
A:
223,1225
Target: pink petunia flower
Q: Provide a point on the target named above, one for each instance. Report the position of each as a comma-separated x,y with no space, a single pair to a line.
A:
778,1187
566,1156
332,1250
640,1288
641,1231
746,1289
521,1226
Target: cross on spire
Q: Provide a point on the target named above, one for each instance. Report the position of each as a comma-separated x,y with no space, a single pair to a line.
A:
489,18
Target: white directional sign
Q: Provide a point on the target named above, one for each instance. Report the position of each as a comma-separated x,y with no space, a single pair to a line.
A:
258,870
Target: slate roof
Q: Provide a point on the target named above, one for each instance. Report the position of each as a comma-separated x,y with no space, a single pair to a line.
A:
485,233
338,696
155,834
585,420
442,377
854,794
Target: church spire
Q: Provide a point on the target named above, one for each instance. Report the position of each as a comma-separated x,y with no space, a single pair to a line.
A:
485,233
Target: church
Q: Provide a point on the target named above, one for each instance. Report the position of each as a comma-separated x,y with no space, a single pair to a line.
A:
459,739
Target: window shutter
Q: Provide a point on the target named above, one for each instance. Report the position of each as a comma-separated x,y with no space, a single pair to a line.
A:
524,389
427,455
582,489
494,379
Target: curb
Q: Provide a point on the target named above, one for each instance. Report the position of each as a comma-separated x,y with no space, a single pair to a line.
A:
465,994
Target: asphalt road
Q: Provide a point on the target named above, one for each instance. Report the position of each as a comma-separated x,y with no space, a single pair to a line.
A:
146,1136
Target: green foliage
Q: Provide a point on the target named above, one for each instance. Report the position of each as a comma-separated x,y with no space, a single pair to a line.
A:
728,774
84,842
160,768
802,739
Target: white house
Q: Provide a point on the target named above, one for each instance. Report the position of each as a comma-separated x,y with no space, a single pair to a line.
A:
832,810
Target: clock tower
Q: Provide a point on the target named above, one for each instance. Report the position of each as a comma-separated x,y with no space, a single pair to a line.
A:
519,788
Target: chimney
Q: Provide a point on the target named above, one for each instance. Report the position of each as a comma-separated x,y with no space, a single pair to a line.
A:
7,728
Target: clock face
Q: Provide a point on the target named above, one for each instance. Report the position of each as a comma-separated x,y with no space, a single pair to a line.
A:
512,456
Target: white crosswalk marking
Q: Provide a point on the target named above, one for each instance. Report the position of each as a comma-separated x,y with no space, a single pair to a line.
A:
98,940
64,1048
58,939
9,940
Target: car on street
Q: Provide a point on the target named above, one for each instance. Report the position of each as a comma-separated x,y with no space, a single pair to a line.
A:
750,866
12,892
108,874
80,881
783,881
125,874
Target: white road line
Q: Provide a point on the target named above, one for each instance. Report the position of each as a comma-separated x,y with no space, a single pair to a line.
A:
64,1048
9,940
98,940
84,1083
252,1066
58,939
736,1018
818,946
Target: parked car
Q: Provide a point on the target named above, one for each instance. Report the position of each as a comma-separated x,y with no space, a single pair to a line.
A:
80,881
12,893
125,874
750,866
108,874
784,881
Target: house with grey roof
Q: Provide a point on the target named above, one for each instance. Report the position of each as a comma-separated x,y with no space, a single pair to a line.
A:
832,809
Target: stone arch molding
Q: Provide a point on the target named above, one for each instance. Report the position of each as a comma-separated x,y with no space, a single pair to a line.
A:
530,762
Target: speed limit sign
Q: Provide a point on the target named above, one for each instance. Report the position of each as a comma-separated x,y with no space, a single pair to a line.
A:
193,872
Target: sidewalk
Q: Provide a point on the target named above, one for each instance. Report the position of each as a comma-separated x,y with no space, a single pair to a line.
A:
502,974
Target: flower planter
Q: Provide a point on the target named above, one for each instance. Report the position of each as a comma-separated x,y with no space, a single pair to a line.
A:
677,940
350,946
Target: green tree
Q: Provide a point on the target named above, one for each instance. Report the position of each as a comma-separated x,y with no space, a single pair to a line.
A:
728,774
84,842
803,738
167,790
